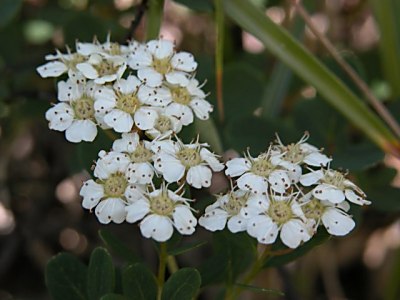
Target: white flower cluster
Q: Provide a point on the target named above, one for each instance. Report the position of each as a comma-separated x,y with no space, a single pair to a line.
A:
288,190
147,92
148,87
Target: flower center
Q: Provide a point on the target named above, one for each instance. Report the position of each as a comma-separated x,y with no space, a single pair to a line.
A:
180,95
235,204
115,185
334,178
162,66
294,154
141,154
128,103
105,68
313,209
163,124
262,167
75,59
280,212
84,108
189,157
115,49
162,204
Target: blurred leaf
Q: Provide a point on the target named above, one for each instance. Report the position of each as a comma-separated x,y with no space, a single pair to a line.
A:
259,289
319,238
117,246
38,31
200,6
186,248
154,19
113,297
305,65
65,278
139,283
387,16
208,133
8,9
182,285
101,277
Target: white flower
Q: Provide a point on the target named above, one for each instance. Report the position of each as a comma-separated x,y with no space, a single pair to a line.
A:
164,125
255,174
161,211
282,215
102,68
76,114
228,209
157,60
333,216
110,162
140,169
122,106
293,155
174,160
334,187
107,48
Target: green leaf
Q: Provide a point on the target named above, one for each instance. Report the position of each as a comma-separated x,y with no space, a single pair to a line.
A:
65,278
307,67
319,238
113,297
208,133
8,9
387,16
186,248
259,289
182,285
101,275
139,283
196,5
154,19
117,246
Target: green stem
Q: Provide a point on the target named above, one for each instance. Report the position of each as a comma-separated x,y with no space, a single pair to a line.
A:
154,19
219,57
172,264
161,269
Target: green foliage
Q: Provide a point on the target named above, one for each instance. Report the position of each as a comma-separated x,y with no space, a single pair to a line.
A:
139,283
117,246
259,290
186,248
66,278
8,10
182,285
200,6
113,297
101,277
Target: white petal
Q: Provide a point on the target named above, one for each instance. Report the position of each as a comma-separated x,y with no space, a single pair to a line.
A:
111,209
237,166
262,228
158,96
141,173
184,61
91,192
87,49
211,159
294,172
87,70
60,117
127,143
194,90
140,58
134,192
279,181
337,223
137,210
150,77
184,220
167,146
201,108
253,183
52,69
119,120
255,205
81,130
127,86
177,77
317,159
214,219
353,197
199,176
293,233
145,118
161,48
67,90
328,192
157,227
311,178
170,167
237,224
181,112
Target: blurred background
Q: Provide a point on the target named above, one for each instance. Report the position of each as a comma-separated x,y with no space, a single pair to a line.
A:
41,173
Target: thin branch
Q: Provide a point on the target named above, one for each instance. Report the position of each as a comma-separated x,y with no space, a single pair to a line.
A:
139,13
377,105
219,57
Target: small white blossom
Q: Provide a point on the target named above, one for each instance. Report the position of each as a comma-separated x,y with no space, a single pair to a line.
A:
279,214
161,211
333,186
174,160
158,61
228,209
107,48
164,125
